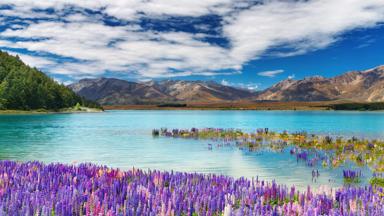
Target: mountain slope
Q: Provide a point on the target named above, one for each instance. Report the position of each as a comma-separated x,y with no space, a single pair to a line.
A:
25,88
201,91
360,86
115,91
110,91
365,86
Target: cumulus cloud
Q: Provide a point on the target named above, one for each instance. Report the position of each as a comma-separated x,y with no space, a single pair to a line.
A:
33,60
127,10
301,26
272,73
82,38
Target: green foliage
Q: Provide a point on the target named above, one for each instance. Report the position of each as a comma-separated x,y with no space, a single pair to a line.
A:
359,106
351,181
376,181
26,88
78,106
172,105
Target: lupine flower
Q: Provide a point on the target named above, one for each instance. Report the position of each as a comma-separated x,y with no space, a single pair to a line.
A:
351,176
34,188
332,151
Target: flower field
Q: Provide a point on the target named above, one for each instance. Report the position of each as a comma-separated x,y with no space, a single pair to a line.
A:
35,188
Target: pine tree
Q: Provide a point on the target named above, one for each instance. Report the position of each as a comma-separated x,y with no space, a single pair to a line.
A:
25,88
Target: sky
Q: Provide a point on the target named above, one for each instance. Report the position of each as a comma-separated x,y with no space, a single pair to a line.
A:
243,43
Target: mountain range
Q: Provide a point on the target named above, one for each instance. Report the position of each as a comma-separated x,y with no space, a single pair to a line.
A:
364,86
360,86
111,91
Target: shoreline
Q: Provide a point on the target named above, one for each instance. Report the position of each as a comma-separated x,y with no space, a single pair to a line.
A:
37,112
257,105
223,106
241,105
265,105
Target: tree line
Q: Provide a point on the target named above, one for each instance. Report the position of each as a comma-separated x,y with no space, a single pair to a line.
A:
359,106
26,88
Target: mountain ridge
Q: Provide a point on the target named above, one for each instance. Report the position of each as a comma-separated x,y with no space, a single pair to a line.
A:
112,91
364,86
361,86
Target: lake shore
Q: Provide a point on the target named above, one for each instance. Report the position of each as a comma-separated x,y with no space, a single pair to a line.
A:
258,105
238,105
43,111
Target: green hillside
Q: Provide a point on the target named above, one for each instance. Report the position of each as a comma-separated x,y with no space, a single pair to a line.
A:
26,88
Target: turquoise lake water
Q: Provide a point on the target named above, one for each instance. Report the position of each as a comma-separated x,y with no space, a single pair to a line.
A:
122,139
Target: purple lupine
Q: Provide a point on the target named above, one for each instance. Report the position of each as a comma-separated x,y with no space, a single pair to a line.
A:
34,188
351,176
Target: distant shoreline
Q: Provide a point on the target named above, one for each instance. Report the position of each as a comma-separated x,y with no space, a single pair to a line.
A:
243,105
42,111
228,106
246,105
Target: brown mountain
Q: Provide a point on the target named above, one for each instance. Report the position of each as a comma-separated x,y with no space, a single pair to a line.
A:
367,86
110,91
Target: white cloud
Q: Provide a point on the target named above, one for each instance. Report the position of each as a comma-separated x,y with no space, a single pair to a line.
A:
64,82
128,10
34,61
252,87
301,25
150,54
252,32
272,73
247,86
224,82
291,76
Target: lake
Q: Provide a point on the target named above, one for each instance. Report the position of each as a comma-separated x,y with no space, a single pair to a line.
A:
122,139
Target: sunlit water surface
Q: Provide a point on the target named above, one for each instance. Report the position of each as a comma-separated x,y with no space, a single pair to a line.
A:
122,139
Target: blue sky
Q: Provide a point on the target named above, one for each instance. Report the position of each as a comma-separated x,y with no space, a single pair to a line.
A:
244,43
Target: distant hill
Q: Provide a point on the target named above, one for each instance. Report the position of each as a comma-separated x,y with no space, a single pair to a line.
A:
361,86
26,88
110,91
364,86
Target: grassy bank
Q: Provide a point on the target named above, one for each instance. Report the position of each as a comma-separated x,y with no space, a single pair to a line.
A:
235,105
258,105
44,111
358,106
